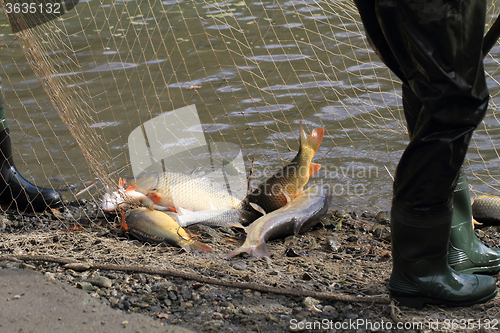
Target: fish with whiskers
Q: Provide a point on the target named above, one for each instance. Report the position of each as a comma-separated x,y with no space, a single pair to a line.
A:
298,216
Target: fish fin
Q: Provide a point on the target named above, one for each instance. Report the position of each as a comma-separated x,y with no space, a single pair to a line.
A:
258,208
124,224
314,140
237,225
152,207
131,188
183,211
260,250
297,225
313,168
235,252
120,182
197,247
288,199
153,196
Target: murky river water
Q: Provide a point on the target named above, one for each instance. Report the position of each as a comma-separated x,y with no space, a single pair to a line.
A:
253,70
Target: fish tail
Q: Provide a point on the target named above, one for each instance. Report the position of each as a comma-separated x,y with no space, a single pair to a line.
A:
260,250
197,247
235,252
314,140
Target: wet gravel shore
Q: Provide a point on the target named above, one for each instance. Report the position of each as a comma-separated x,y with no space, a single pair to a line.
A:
347,254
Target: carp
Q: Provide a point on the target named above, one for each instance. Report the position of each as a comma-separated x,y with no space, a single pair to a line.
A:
298,216
288,182
486,210
156,227
174,190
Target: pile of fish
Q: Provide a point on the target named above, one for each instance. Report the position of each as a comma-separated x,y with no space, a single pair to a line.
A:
278,207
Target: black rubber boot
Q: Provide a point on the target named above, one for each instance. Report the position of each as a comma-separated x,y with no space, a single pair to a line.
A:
467,254
421,274
15,191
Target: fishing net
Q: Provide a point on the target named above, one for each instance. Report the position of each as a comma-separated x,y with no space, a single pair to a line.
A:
114,87
248,72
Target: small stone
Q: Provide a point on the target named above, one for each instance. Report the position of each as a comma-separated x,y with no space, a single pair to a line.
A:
213,325
172,296
113,300
85,286
246,310
217,315
100,281
328,308
186,304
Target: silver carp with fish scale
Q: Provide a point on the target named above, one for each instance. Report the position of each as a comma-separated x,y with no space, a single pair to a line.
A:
174,190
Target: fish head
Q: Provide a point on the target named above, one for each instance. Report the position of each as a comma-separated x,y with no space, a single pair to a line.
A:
113,201
247,217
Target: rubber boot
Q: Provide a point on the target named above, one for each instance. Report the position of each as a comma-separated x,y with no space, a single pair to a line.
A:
15,191
467,254
421,273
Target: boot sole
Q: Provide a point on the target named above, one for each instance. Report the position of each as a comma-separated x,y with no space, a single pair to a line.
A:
417,301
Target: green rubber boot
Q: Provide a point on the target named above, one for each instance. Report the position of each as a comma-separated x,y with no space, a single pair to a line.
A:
467,254
421,273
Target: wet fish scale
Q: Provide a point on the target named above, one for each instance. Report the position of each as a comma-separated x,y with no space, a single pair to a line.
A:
292,178
486,209
155,226
189,192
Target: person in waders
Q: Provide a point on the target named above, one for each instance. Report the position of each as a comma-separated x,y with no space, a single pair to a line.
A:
15,191
435,48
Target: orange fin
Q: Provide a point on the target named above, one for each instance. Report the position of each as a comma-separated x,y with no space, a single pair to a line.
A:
124,224
120,183
313,168
154,197
197,247
131,188
314,140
